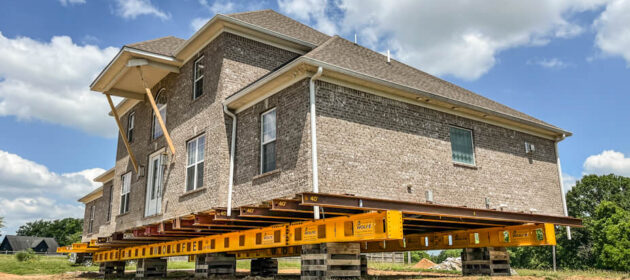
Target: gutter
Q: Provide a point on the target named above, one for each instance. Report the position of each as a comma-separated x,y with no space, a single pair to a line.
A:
315,174
232,156
564,200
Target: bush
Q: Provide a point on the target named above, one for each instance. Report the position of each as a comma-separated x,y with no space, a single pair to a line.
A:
26,256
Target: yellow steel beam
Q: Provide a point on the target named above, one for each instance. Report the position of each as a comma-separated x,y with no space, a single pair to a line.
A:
122,133
524,235
375,226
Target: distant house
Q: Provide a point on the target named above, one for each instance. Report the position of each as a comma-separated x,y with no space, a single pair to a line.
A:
20,243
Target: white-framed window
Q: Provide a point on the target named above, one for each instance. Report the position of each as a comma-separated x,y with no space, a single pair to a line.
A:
91,222
124,193
268,141
198,72
109,204
194,165
160,101
463,149
130,126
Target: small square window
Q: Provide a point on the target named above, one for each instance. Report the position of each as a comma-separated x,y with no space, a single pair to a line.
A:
198,78
462,145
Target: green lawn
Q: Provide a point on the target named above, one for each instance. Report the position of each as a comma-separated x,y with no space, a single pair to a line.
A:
42,265
563,274
58,265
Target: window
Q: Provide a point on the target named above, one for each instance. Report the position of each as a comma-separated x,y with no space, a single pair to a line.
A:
198,78
109,204
160,102
268,141
462,145
91,222
130,125
194,165
124,193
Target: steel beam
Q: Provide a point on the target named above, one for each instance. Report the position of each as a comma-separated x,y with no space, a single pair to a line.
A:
364,203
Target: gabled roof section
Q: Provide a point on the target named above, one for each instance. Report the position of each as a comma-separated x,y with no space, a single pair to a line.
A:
277,22
164,46
345,54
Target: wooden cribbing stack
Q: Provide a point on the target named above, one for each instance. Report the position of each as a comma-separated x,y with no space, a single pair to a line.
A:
492,261
331,261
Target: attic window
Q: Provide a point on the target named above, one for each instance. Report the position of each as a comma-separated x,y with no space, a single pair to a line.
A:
198,78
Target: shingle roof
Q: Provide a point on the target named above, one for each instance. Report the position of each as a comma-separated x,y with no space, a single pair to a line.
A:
21,243
277,22
164,46
345,54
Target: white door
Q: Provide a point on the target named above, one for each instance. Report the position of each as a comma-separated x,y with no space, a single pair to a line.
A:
154,185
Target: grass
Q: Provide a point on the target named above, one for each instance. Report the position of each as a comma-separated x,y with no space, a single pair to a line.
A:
405,267
59,265
563,274
41,265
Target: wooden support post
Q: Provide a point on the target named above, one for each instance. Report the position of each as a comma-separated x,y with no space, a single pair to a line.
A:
122,133
156,111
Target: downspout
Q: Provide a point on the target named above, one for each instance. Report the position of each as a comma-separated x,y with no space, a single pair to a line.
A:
311,85
232,156
564,200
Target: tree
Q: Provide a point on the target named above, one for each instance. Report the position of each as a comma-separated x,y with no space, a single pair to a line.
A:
603,204
65,231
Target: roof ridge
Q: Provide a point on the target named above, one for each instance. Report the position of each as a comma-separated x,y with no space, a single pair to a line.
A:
153,40
249,12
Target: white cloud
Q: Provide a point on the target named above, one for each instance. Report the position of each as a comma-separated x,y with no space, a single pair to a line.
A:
568,182
197,23
49,81
310,11
66,2
552,63
29,191
613,30
19,176
219,7
607,162
130,9
460,38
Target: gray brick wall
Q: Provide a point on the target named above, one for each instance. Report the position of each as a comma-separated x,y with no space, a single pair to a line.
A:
231,63
378,147
100,216
368,145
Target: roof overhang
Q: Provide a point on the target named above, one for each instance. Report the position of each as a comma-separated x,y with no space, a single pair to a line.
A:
95,194
305,67
105,176
122,78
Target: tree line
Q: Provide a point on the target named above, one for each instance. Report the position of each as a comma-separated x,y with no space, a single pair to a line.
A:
603,204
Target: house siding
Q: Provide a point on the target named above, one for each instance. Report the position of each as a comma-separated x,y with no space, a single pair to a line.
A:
231,62
374,146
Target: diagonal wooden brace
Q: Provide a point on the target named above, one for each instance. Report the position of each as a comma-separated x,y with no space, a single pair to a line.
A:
122,133
156,111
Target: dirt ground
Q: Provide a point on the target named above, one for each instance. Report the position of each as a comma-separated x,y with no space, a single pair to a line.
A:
293,274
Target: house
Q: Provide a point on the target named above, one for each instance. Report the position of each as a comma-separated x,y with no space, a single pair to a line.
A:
256,106
16,243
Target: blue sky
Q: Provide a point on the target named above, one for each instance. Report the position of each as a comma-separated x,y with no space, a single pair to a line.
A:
564,62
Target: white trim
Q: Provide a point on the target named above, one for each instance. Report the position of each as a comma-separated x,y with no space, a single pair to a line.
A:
154,123
195,79
123,194
197,161
158,197
262,136
131,120
472,143
562,194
